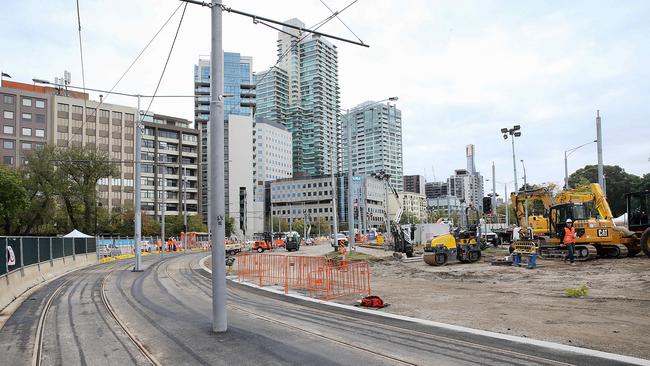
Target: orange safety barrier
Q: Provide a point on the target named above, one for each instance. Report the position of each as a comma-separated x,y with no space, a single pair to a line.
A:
339,280
316,275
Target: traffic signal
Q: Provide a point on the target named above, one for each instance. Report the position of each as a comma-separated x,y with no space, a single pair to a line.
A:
487,205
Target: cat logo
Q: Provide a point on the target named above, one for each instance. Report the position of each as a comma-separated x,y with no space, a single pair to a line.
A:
603,233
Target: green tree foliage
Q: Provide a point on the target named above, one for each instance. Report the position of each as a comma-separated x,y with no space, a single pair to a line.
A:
298,225
409,218
230,226
13,198
618,182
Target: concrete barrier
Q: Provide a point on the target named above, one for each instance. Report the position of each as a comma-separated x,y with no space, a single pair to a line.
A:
15,283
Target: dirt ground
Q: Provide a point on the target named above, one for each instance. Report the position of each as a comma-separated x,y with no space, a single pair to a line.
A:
613,317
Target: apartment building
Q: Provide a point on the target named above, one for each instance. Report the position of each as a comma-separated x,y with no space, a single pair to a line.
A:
309,199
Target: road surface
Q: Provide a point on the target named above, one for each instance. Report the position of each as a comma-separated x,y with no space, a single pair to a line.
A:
108,315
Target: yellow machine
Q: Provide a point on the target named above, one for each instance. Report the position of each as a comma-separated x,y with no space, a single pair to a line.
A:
464,245
592,218
538,223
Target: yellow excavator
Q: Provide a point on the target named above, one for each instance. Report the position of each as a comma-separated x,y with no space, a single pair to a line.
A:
592,217
538,223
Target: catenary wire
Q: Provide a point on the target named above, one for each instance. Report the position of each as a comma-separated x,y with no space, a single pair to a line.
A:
341,20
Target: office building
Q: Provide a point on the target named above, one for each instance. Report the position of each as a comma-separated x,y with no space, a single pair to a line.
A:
414,183
312,99
309,199
376,141
467,187
25,118
239,100
170,164
436,189
368,202
413,203
444,205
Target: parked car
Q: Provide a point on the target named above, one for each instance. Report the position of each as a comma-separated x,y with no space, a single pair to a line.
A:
293,243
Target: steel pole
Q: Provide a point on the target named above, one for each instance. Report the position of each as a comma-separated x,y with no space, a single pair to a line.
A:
494,193
599,139
137,209
185,207
217,185
505,197
350,200
514,163
526,200
163,208
566,172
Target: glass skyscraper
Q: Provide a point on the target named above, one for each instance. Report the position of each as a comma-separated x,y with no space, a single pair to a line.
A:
238,80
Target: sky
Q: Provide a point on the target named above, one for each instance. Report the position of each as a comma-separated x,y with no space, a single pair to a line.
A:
462,69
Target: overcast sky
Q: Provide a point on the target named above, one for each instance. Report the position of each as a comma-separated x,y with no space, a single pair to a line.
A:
461,69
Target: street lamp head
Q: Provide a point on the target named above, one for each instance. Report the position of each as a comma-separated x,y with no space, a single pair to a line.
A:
504,130
505,137
516,128
393,99
517,134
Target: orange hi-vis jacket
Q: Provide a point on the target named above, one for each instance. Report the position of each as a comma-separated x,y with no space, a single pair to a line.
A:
569,235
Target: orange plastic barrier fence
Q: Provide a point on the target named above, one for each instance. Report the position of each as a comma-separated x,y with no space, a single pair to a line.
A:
343,279
316,275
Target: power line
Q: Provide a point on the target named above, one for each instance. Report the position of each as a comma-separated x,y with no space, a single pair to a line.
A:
341,20
169,55
83,71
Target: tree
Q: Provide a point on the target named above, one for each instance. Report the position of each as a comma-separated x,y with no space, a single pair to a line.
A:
230,226
298,225
618,182
644,183
409,218
13,198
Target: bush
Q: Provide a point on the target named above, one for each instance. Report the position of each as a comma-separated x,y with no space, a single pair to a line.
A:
578,292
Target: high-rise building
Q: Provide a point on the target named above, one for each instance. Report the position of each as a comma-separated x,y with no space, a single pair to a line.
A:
436,189
376,141
310,66
272,87
238,99
170,141
414,183
467,187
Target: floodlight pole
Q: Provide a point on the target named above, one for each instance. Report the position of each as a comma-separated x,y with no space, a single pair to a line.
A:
137,212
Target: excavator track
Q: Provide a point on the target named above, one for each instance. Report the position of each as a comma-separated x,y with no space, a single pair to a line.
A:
613,251
583,252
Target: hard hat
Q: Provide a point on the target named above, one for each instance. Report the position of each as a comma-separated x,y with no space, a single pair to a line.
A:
569,221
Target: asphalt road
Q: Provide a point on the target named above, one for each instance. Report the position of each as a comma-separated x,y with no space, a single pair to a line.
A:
167,310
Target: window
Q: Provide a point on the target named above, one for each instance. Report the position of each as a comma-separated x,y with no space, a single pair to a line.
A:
8,115
9,130
27,102
40,118
39,133
8,144
40,104
27,131
61,107
27,116
27,145
8,99
8,160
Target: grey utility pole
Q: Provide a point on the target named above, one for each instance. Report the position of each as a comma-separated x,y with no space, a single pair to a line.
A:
599,139
350,179
185,207
163,208
513,132
494,194
137,199
334,192
217,204
514,165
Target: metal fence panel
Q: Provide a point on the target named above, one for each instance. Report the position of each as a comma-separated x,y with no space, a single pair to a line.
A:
67,246
57,248
14,243
79,245
3,256
91,245
44,248
30,251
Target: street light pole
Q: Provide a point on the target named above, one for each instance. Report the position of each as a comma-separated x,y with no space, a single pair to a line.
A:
351,239
567,153
494,193
137,200
526,200
513,132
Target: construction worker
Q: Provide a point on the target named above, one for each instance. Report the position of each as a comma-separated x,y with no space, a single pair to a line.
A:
515,233
568,240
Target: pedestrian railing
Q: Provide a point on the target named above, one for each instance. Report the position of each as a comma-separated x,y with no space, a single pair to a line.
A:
22,251
314,275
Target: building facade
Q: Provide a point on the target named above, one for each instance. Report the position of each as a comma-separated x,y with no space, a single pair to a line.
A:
467,187
368,202
414,183
25,117
376,141
414,203
312,99
436,189
170,166
309,199
272,94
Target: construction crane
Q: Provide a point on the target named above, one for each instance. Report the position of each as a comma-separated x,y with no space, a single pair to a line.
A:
403,235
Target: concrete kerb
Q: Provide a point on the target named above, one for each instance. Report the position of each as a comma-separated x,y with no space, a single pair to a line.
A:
18,285
458,328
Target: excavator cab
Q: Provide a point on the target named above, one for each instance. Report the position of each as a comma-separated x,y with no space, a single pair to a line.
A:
562,212
638,216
